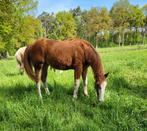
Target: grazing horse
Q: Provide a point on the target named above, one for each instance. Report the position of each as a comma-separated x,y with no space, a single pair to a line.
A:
19,55
73,54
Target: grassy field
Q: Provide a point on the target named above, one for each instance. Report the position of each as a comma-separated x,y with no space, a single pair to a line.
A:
124,109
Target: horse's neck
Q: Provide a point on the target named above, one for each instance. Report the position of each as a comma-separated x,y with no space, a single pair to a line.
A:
97,69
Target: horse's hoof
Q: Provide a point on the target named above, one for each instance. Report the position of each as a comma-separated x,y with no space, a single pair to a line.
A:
86,94
48,93
41,100
74,97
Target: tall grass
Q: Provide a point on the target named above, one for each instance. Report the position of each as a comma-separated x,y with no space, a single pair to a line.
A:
125,106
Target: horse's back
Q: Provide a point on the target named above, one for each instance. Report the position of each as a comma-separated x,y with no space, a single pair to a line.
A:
60,54
67,54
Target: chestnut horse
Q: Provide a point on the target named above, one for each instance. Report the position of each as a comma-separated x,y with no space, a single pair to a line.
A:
74,54
19,55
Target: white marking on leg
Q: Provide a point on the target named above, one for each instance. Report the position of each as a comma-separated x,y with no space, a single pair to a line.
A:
39,90
102,91
76,87
85,86
39,84
46,88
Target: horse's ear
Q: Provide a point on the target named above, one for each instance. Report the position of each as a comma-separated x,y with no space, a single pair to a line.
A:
106,75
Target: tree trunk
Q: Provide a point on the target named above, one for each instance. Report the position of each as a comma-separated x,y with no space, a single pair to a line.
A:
123,37
136,37
96,43
119,39
131,37
112,38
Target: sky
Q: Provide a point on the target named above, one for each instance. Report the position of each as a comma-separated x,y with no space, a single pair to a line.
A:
65,5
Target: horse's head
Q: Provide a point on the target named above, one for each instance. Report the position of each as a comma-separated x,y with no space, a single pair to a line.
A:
100,88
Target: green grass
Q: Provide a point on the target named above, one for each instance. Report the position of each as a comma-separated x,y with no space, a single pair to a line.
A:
124,109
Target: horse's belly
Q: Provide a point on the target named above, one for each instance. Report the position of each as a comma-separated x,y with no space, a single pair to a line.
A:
61,63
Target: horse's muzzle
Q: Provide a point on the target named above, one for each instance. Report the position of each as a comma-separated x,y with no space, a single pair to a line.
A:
101,93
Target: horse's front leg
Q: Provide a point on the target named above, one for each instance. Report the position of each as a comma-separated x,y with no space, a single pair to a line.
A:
44,78
77,74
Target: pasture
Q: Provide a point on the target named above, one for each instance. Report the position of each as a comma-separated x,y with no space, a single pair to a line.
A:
125,106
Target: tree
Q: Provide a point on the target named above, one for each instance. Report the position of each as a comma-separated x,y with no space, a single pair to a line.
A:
104,23
12,17
30,30
127,19
119,14
96,23
90,19
60,26
136,21
47,21
6,23
77,15
144,10
66,25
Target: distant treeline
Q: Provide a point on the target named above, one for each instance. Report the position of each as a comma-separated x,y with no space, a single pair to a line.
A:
124,24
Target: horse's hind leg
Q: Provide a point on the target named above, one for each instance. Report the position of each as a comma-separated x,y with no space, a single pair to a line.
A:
43,78
77,74
22,68
19,64
38,71
85,80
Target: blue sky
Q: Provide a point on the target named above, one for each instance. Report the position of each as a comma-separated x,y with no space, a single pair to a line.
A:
60,5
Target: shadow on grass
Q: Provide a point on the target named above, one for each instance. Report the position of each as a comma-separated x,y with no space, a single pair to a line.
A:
59,93
10,58
138,90
16,92
13,74
64,94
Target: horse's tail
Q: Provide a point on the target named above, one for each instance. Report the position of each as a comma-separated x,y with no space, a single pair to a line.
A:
28,65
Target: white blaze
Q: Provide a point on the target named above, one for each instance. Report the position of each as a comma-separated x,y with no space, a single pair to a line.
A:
102,91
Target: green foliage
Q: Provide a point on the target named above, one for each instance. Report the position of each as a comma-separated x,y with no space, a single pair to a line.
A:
119,14
30,29
96,24
60,26
136,17
124,108
124,24
66,25
90,18
127,19
14,22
